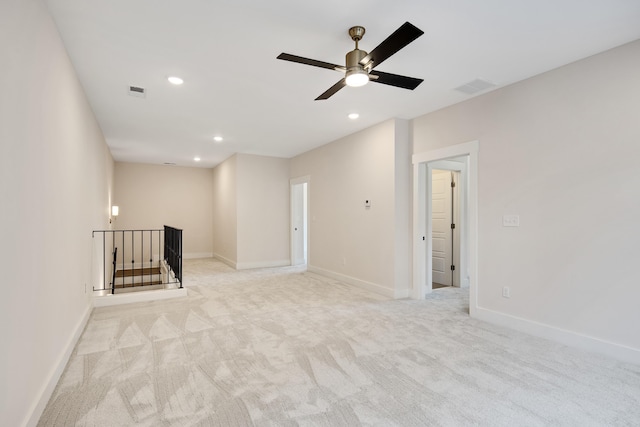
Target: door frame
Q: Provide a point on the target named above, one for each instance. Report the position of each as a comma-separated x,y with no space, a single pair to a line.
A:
293,182
423,163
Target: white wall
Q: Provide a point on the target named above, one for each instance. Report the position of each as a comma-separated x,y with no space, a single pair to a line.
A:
560,150
402,214
55,180
225,211
346,239
251,211
152,196
263,211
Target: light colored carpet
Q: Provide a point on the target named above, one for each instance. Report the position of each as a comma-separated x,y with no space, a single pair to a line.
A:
283,347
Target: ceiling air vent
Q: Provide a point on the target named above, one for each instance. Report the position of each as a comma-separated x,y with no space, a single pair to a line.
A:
475,86
138,91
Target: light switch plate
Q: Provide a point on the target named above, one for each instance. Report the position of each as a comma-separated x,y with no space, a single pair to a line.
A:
511,221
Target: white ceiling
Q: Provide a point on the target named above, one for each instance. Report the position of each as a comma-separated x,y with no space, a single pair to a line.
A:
235,87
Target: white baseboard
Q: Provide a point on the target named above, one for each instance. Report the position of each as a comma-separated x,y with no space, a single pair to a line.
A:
263,264
562,336
197,255
139,296
47,390
363,284
249,265
401,293
227,261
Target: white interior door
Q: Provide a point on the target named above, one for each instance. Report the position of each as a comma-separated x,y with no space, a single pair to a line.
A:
456,219
299,223
441,216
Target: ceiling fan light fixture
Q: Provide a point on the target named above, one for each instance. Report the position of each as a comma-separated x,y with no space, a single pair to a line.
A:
359,65
357,77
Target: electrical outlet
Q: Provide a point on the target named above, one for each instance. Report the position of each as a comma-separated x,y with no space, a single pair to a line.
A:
506,292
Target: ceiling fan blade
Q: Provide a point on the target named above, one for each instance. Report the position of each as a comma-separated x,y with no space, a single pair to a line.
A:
332,90
395,80
313,62
396,41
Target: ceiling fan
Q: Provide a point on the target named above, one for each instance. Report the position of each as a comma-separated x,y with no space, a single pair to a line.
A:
359,69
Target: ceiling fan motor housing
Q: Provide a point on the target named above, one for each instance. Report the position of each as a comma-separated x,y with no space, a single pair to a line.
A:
353,59
356,74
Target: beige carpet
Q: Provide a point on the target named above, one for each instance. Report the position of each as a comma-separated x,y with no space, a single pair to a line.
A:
282,347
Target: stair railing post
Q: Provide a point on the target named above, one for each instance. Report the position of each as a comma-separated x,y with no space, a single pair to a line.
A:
180,257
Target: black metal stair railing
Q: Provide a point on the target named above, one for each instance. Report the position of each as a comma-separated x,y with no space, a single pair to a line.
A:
173,250
138,258
113,273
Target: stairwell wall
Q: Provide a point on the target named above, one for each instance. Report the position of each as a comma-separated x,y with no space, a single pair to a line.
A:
151,196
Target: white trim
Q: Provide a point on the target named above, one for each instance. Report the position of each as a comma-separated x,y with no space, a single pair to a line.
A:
422,223
197,255
47,390
562,336
140,296
262,264
227,261
446,152
363,284
249,265
401,293
300,180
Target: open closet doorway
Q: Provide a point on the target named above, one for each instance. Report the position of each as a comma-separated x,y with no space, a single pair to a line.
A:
299,222
449,221
445,234
461,158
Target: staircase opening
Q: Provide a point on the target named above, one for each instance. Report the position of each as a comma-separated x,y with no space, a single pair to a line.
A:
138,260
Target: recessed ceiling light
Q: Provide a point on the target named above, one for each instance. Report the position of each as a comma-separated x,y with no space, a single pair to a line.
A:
175,80
217,138
354,116
196,159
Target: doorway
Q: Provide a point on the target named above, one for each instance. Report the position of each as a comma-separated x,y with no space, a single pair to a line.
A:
447,158
445,220
446,223
299,222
